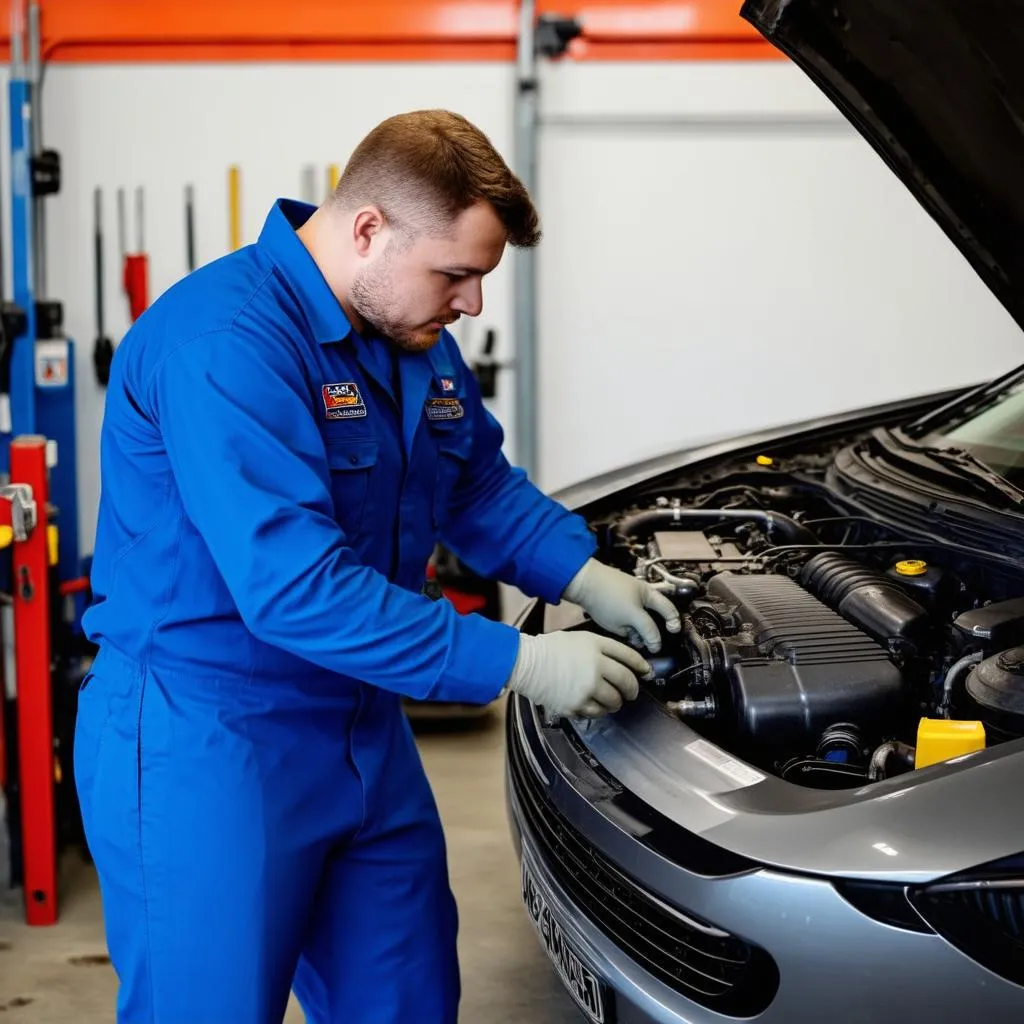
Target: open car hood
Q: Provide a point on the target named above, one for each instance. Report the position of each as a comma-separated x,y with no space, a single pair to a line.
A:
937,88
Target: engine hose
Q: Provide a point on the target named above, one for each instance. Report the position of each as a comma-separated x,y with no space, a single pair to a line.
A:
777,524
703,703
681,586
688,707
696,641
881,756
702,653
878,760
952,677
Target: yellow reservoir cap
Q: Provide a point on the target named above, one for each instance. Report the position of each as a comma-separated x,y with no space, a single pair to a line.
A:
765,460
939,739
53,543
6,536
912,567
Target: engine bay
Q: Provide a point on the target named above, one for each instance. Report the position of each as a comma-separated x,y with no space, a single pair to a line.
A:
827,646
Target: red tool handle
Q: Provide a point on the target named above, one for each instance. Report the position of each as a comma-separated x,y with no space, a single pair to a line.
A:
136,283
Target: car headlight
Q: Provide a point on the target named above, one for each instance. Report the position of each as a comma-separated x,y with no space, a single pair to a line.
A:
981,912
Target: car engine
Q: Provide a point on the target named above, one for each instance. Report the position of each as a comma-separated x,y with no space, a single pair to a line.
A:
816,641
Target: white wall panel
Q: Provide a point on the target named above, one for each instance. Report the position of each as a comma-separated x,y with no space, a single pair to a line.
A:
725,253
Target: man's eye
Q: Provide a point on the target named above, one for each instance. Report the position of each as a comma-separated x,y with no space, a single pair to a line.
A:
454,277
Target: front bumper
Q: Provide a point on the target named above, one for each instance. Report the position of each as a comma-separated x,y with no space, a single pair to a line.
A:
828,960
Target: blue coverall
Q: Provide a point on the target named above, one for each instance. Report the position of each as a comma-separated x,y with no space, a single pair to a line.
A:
250,788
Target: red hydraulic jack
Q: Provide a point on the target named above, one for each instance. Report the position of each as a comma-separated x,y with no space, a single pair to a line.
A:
23,527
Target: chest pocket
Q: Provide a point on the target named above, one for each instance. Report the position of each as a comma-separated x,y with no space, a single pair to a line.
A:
352,461
454,442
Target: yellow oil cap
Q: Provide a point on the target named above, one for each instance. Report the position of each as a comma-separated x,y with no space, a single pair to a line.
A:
912,567
6,536
53,543
765,460
939,739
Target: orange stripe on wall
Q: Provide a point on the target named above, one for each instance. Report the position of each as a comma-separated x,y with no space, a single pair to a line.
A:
394,30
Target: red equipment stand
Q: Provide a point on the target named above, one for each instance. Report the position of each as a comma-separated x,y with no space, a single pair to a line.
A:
23,510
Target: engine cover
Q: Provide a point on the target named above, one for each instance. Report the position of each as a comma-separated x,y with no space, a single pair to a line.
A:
795,667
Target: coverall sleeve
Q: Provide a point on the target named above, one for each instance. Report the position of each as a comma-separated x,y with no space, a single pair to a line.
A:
502,525
248,460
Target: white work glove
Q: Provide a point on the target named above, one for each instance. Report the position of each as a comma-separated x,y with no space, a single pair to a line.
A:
580,674
618,603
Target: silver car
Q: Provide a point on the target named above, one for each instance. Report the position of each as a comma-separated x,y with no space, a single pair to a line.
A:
814,811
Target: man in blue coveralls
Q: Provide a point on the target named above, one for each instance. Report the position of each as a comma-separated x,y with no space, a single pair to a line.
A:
288,432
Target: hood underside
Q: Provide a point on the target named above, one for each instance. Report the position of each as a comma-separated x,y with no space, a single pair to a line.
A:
937,88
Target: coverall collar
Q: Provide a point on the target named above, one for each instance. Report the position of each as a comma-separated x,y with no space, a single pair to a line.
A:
278,237
328,320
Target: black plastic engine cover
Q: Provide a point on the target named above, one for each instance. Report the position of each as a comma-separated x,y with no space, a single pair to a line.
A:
796,667
873,602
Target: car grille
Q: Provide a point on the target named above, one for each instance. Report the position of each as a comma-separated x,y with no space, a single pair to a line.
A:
697,959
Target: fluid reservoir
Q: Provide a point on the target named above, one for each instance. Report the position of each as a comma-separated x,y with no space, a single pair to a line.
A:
939,739
916,576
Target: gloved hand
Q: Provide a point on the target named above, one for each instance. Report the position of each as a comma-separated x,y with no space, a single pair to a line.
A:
618,602
577,673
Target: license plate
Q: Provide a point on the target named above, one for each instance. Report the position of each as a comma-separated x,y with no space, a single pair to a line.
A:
589,992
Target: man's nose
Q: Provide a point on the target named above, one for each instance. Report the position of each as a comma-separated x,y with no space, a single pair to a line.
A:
469,300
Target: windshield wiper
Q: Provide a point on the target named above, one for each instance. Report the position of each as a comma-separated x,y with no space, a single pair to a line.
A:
967,464
959,408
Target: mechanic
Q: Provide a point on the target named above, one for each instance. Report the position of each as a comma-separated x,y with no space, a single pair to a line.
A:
288,432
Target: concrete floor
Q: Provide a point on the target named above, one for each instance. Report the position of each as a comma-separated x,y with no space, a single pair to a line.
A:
61,975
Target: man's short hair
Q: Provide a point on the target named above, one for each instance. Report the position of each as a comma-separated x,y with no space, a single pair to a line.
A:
425,167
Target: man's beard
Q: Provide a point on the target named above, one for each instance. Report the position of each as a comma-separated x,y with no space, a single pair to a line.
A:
371,298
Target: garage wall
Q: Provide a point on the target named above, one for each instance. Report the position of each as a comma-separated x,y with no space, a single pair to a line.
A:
721,251
725,253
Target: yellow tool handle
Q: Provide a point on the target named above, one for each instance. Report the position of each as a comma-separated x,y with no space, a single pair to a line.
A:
333,174
235,206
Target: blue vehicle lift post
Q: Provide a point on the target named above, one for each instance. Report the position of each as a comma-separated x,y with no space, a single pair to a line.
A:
42,370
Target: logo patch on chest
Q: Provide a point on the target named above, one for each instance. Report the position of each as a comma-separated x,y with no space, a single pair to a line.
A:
447,384
343,401
444,409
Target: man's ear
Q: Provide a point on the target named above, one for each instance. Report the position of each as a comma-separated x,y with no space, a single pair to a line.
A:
367,226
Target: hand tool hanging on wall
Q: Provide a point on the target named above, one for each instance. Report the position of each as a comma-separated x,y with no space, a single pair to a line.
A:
103,350
308,192
333,176
190,228
235,207
486,366
135,264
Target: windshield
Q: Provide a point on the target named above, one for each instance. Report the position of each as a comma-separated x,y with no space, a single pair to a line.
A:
994,434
